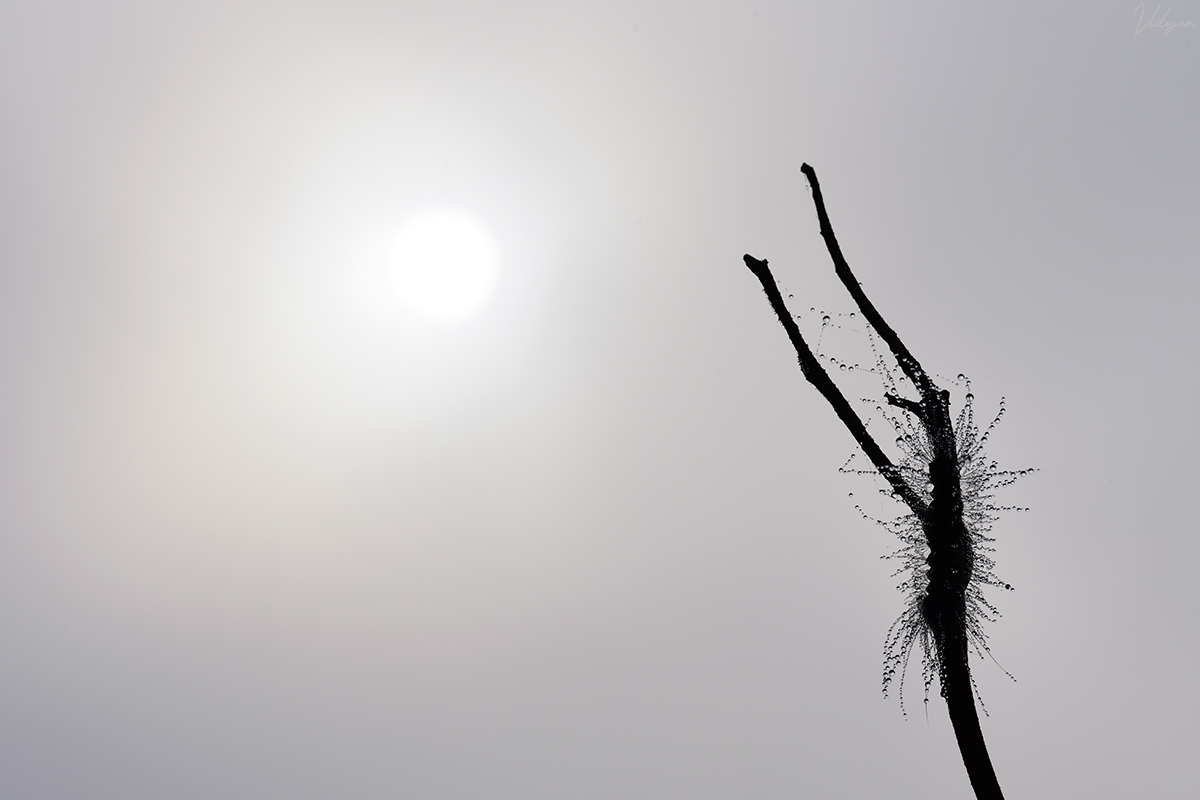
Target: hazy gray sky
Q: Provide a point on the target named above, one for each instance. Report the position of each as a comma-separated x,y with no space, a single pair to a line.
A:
265,533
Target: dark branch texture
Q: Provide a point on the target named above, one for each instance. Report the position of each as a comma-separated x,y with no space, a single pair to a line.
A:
945,536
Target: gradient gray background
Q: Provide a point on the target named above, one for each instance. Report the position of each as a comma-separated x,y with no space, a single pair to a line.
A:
262,535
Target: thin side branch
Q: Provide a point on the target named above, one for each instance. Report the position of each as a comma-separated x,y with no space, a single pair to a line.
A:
911,406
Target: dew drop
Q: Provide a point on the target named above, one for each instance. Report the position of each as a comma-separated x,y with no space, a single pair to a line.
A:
842,367
961,376
825,320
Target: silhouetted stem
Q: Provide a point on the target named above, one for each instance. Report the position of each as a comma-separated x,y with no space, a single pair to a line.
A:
951,556
960,701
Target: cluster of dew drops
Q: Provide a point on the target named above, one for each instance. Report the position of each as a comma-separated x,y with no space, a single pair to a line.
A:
831,320
979,479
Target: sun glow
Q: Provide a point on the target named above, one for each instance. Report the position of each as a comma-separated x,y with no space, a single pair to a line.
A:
445,265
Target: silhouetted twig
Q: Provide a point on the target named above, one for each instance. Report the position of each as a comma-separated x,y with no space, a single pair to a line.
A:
952,555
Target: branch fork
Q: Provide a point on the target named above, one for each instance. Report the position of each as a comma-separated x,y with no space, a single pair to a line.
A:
951,557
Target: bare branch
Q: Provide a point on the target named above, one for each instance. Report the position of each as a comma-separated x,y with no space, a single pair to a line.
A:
951,560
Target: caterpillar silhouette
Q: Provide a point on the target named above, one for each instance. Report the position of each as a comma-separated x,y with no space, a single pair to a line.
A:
945,482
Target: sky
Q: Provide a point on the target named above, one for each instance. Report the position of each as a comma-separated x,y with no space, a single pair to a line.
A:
266,532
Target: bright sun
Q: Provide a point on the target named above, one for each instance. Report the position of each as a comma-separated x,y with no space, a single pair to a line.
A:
445,265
